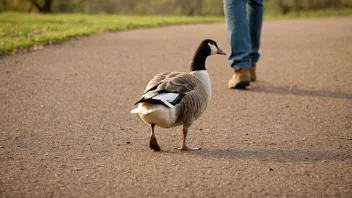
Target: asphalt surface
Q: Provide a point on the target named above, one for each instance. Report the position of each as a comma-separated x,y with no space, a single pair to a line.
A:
66,130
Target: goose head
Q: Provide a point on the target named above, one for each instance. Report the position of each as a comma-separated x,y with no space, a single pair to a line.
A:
206,48
213,46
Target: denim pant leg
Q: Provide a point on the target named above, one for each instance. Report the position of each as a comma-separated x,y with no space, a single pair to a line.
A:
255,19
238,32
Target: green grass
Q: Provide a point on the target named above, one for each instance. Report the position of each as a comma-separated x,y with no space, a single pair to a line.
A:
23,31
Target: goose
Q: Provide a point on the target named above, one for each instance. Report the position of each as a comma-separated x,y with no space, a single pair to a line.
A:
178,98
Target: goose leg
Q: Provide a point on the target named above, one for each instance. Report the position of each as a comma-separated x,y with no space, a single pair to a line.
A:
153,144
184,146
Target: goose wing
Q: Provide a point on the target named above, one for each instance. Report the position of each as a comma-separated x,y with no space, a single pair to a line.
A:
169,88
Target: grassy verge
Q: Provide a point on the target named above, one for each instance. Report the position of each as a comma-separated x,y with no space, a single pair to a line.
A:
22,31
312,14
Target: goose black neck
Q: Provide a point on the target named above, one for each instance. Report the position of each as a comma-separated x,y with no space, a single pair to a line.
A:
199,58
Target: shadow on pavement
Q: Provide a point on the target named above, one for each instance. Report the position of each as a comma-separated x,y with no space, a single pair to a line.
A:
300,92
276,155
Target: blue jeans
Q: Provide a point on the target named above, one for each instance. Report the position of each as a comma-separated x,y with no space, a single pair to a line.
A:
243,23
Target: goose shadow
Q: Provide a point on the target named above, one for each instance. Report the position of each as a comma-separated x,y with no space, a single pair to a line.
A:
264,87
275,155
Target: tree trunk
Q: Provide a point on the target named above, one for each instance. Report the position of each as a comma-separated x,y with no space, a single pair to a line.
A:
46,8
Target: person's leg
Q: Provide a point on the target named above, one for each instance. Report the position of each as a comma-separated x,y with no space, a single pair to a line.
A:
240,44
238,33
255,19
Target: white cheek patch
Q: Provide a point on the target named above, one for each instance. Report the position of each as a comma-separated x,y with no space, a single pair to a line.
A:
213,49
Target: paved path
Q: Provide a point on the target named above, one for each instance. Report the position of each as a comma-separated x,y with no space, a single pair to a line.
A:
66,131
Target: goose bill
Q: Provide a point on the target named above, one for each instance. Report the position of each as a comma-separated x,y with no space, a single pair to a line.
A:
221,52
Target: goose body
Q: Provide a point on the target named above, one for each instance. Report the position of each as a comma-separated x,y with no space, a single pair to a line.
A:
178,98
175,107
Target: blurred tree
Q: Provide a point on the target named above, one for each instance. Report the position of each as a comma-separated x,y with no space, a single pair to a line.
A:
190,8
46,8
160,7
286,6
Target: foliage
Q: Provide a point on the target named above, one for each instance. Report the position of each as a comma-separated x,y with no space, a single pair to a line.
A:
166,7
287,6
311,14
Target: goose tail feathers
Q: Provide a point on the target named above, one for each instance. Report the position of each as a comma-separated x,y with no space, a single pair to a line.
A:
141,111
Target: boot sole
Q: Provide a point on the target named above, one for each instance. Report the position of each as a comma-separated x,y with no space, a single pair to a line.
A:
241,85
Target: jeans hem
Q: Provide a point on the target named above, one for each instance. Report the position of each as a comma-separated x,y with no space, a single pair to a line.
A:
241,66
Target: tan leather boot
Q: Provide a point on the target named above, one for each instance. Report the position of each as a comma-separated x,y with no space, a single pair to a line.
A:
240,80
252,73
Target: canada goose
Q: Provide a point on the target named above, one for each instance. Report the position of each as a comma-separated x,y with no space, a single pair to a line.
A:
178,98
